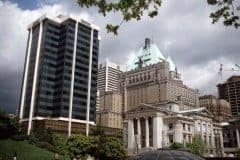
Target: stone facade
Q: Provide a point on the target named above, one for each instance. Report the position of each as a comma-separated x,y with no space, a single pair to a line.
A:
110,111
155,84
220,108
151,127
231,135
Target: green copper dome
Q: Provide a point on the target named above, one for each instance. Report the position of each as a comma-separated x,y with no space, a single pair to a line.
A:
171,64
147,55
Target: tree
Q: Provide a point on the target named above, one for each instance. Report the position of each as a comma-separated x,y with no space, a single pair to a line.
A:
238,154
129,9
226,10
176,145
110,148
135,10
79,146
197,146
8,126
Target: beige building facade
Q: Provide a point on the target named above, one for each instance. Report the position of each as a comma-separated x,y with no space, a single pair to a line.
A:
155,84
152,78
110,110
220,108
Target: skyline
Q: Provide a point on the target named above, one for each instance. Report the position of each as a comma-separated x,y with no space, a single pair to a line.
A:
194,53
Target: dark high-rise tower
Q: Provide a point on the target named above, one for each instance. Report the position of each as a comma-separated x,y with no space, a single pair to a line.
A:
60,73
230,91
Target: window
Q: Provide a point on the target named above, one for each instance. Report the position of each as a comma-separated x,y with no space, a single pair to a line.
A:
204,128
189,138
199,127
184,126
170,138
184,138
189,127
170,126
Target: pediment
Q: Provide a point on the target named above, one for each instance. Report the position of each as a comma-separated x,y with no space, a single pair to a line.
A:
199,111
146,108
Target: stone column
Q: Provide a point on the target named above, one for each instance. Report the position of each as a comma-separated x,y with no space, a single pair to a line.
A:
207,135
147,132
221,141
202,130
130,135
213,139
238,138
157,131
139,133
178,135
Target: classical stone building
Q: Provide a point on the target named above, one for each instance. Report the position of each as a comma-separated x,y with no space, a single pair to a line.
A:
110,111
230,91
151,127
153,79
231,135
220,108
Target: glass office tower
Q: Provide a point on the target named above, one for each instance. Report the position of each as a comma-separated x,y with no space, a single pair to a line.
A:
60,71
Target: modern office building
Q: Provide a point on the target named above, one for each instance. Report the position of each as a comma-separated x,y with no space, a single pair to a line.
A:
230,91
153,79
60,75
108,76
220,108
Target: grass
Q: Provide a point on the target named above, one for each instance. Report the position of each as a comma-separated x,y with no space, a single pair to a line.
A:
24,150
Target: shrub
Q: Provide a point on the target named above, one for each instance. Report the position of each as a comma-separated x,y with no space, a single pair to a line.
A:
20,137
79,145
32,139
197,146
176,145
238,154
111,148
8,126
44,135
60,143
45,145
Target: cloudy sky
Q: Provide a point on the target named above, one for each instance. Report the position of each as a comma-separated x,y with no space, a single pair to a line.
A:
182,30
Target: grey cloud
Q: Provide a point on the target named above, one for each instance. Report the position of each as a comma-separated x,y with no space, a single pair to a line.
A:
193,42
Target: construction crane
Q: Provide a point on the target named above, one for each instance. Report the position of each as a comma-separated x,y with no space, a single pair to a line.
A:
222,69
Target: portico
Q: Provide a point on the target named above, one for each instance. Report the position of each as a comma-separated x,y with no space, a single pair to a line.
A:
144,129
152,127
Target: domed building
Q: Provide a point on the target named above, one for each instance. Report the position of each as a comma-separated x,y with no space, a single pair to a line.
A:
159,109
152,78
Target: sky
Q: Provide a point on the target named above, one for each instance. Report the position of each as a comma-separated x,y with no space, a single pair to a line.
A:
182,30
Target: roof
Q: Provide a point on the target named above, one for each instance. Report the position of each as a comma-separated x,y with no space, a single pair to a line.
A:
150,54
172,66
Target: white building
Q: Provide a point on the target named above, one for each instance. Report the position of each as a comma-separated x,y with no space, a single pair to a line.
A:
108,76
151,127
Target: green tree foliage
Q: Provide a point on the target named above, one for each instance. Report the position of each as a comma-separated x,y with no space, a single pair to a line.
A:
135,10
176,145
197,146
238,154
129,9
8,126
110,148
98,131
79,146
60,143
228,10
